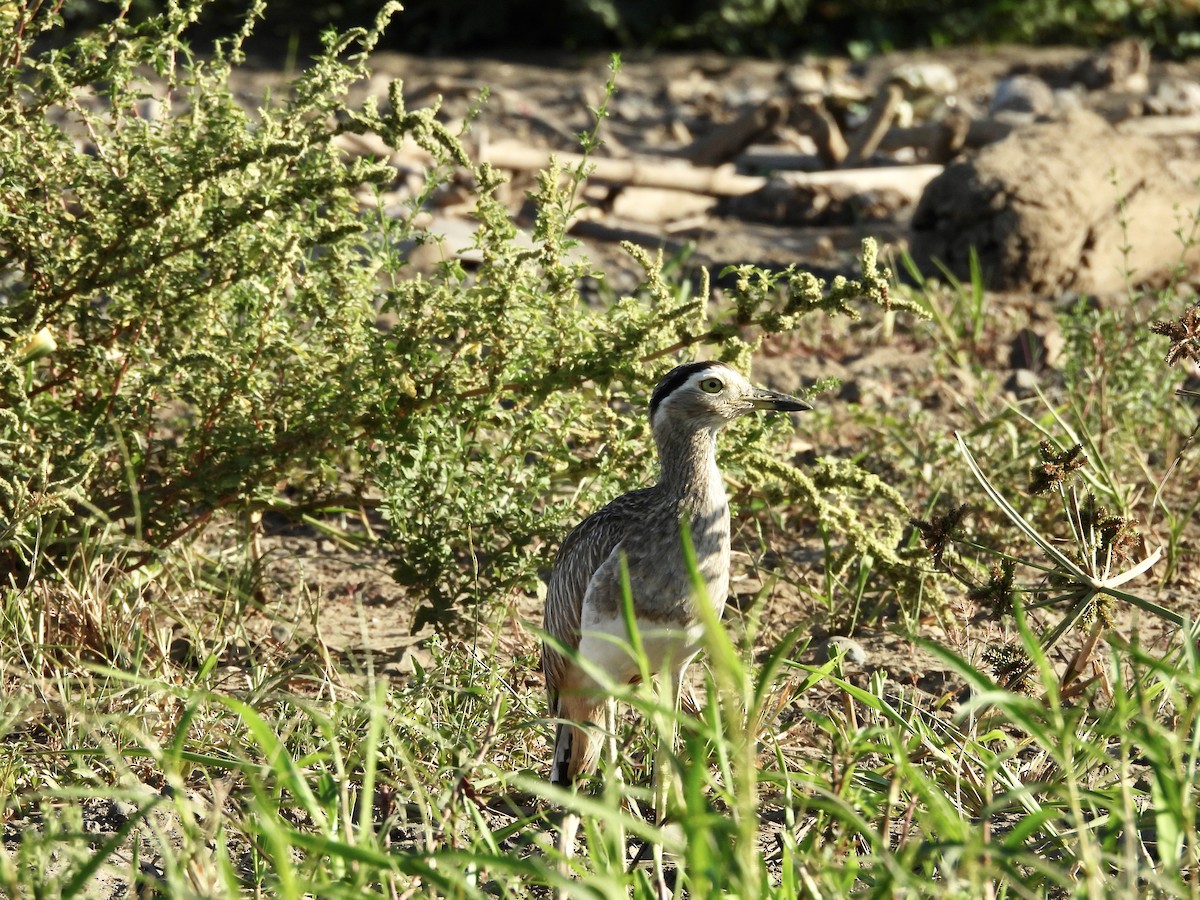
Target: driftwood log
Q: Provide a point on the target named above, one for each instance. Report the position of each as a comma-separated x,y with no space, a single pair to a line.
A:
867,136
727,141
812,118
719,182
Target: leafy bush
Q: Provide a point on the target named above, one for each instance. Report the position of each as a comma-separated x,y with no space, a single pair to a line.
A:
213,290
200,274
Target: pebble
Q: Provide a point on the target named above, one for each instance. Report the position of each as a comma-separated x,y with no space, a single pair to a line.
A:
929,78
124,809
1023,383
848,649
1175,97
804,80
1026,96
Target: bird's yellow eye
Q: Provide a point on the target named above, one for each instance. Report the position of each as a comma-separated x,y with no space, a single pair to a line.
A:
712,385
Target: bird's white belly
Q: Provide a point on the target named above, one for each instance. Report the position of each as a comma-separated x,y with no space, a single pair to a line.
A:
605,646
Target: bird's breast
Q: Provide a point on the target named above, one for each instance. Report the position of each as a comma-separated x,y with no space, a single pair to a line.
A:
661,577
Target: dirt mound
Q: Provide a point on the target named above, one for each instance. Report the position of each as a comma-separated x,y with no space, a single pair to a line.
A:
1052,208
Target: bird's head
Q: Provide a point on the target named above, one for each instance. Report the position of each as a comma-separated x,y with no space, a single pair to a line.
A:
709,394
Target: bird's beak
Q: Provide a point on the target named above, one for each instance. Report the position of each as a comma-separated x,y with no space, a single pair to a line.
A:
773,400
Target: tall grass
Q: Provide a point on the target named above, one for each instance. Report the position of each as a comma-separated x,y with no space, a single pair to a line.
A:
795,781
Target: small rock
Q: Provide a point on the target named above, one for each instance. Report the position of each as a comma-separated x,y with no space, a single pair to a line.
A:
927,78
1022,383
124,809
845,648
1175,97
1025,97
1034,351
1124,66
804,80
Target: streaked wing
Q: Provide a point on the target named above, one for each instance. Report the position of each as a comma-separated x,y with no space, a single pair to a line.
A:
582,552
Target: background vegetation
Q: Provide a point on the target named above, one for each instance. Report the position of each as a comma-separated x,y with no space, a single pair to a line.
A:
769,27
203,323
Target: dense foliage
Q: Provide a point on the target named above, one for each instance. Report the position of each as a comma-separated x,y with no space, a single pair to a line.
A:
214,289
771,27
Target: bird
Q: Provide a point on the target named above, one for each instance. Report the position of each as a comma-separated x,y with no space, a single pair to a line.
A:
644,530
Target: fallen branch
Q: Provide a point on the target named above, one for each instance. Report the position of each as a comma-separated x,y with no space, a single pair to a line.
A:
727,141
908,181
979,133
722,182
813,119
1161,126
865,139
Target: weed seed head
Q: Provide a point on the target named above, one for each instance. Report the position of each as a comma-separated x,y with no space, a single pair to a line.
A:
940,533
1007,661
1116,538
1100,611
997,593
1054,468
1184,334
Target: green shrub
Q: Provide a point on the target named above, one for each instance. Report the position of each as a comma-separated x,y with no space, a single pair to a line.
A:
199,269
213,288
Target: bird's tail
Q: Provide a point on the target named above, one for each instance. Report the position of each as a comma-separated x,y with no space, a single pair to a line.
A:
576,744
560,767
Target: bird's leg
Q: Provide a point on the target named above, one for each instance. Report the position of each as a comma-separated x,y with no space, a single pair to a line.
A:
567,833
670,685
614,769
610,740
580,751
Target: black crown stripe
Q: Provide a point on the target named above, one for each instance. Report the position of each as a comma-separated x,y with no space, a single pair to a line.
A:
675,379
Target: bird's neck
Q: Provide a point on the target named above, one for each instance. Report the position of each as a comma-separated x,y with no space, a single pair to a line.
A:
689,472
